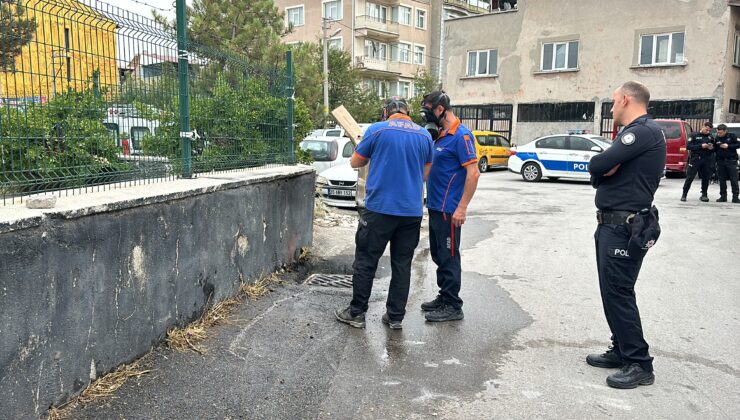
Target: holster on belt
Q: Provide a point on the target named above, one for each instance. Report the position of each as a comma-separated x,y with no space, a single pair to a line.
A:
645,231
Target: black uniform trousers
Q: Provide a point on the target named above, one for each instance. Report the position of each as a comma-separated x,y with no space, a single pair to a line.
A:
374,232
704,167
727,169
444,244
617,276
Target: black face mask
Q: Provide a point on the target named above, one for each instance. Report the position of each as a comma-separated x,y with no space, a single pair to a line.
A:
432,121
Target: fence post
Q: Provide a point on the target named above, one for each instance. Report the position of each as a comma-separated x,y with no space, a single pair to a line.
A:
182,70
290,92
96,84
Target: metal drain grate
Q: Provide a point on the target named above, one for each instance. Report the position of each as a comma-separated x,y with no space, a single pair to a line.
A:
330,280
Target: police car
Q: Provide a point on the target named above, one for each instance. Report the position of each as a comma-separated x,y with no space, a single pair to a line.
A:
556,156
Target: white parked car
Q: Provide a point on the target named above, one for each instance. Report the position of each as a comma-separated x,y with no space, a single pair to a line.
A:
561,155
337,186
328,152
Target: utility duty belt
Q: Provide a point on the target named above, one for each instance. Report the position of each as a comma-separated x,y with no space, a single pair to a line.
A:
614,217
643,225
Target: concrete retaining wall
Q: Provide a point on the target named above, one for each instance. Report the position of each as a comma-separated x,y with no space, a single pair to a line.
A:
86,287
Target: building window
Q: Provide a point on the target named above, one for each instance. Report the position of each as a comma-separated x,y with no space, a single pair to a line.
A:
335,43
556,112
376,50
377,12
482,63
559,56
421,18
737,49
402,52
419,54
376,86
661,49
400,88
295,15
734,106
402,15
333,10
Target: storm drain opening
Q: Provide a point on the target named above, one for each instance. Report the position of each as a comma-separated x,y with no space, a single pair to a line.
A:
330,280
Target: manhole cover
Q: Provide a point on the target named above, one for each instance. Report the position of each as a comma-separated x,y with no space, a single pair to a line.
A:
330,280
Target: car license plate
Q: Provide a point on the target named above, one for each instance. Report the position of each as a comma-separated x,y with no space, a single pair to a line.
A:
344,193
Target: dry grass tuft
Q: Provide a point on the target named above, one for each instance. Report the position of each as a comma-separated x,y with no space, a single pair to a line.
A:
188,337
101,388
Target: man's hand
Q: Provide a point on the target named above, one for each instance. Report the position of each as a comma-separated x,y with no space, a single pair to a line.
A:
458,217
705,145
724,145
613,170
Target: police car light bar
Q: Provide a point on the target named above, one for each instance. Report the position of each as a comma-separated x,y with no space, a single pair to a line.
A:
579,131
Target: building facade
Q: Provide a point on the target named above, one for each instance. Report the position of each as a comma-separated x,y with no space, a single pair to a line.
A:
71,45
389,40
548,66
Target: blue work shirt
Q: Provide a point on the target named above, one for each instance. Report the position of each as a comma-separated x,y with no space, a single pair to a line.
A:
453,151
398,150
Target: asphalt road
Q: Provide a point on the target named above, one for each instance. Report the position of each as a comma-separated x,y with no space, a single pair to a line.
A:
532,313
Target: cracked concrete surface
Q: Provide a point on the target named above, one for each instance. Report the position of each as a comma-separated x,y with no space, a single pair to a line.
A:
532,310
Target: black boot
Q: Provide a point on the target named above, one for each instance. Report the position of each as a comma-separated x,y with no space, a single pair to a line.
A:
683,197
704,198
630,376
722,199
445,313
345,315
432,305
735,199
609,359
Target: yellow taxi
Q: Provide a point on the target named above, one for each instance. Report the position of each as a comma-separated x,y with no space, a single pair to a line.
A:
492,149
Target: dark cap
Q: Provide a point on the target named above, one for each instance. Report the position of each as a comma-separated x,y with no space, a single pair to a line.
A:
436,98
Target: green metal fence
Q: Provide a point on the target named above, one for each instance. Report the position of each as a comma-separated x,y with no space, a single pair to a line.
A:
94,97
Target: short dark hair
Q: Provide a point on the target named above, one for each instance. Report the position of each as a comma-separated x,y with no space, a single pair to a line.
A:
708,125
722,127
436,98
637,91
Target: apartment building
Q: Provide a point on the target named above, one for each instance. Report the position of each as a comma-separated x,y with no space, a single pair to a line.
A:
389,40
549,66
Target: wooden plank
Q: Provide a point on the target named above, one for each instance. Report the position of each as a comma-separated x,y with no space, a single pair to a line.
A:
345,119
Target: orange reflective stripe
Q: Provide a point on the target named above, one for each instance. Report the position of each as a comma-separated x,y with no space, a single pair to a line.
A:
471,161
360,156
447,192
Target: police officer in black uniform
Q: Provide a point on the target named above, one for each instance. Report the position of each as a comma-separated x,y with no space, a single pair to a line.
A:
626,177
701,146
726,144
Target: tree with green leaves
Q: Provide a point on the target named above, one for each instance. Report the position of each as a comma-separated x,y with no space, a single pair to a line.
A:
16,31
251,28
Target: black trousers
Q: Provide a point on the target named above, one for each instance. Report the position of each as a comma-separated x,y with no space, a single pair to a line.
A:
702,166
374,232
617,276
727,169
444,244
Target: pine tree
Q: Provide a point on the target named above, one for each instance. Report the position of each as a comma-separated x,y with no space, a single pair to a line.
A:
16,31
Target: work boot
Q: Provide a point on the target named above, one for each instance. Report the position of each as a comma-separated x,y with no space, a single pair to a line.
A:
609,359
683,197
735,200
394,325
432,305
722,199
345,315
704,198
630,376
445,313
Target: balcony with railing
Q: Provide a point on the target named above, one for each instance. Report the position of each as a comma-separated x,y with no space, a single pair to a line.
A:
376,65
377,28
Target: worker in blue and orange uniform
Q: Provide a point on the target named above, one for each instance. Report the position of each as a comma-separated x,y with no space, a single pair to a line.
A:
452,182
399,152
